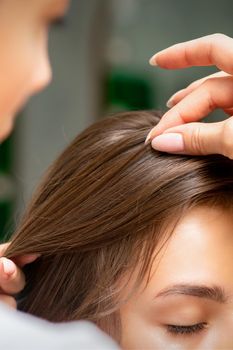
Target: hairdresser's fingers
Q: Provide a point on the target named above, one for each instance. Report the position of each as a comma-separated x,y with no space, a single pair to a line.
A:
179,95
216,49
6,299
12,279
198,139
20,260
26,259
213,93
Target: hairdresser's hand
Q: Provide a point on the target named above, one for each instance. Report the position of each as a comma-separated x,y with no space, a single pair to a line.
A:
178,130
11,277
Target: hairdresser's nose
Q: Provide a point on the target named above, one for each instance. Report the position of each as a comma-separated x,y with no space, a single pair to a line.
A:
42,74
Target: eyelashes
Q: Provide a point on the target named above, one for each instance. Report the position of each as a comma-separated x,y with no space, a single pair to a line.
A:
186,330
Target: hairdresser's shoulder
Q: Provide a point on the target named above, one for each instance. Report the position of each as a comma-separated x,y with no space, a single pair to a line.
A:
21,331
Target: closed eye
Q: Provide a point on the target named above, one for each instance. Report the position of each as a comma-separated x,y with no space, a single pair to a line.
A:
186,330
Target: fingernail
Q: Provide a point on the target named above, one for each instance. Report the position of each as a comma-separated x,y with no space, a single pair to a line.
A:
169,142
148,138
170,103
8,266
153,60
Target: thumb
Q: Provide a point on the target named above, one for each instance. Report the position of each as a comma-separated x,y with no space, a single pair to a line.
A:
197,139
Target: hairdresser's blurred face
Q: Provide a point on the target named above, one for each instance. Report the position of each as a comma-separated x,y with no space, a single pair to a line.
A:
188,303
24,63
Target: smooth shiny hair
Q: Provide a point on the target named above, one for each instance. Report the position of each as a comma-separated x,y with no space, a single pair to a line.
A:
100,213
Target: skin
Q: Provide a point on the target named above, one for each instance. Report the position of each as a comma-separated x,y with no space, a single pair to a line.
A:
24,34
199,254
24,28
24,70
179,130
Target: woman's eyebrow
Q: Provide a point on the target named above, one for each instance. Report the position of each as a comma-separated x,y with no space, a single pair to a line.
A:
215,293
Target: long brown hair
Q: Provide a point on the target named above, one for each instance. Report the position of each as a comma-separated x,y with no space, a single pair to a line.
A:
99,213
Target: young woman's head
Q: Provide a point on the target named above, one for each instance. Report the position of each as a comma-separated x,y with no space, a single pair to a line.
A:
25,66
137,241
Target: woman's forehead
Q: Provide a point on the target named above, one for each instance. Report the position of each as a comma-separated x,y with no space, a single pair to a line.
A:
201,244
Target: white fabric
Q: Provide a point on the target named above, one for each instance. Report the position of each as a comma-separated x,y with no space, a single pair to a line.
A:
19,331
